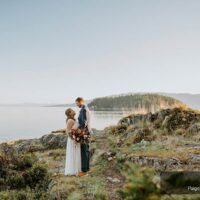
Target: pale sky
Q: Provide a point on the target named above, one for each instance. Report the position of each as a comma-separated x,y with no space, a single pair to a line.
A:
53,51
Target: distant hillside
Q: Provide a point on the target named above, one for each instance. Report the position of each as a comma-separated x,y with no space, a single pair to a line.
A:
192,100
135,102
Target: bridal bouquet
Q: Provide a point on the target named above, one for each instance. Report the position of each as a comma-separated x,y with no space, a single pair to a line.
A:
79,135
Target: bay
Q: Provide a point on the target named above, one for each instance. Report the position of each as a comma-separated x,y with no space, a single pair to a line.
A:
33,122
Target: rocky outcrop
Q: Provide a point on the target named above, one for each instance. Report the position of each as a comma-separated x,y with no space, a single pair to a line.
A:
136,134
31,145
156,162
168,119
54,140
46,142
159,163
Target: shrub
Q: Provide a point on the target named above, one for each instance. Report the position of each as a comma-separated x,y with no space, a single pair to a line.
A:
194,129
116,130
22,172
26,194
36,176
15,181
139,184
180,131
25,161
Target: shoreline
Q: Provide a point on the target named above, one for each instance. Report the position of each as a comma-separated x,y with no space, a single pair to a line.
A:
22,139
12,142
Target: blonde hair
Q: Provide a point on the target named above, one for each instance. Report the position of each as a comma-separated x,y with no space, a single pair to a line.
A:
68,113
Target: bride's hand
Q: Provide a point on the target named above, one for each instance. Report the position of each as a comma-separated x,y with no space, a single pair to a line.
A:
75,142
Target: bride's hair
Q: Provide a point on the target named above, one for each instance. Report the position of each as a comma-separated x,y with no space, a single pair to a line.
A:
68,113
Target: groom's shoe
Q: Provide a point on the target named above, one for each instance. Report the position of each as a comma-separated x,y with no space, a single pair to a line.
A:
82,174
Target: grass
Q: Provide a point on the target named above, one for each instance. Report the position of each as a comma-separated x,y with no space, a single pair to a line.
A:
96,186
71,187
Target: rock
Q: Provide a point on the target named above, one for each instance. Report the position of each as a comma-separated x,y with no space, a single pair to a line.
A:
51,184
142,134
110,158
54,196
158,163
53,141
31,145
59,131
119,142
7,152
144,142
113,180
111,153
195,157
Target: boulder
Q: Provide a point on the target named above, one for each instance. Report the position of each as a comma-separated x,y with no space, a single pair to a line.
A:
31,145
53,141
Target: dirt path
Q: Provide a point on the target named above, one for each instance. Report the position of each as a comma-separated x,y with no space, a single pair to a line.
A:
114,180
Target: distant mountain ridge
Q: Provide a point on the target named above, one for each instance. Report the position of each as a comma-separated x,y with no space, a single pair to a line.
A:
192,100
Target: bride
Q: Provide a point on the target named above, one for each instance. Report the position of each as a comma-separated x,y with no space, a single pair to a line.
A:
73,152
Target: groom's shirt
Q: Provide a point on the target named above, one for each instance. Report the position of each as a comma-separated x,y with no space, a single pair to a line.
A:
84,118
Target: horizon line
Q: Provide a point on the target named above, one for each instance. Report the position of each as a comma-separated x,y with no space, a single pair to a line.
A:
58,104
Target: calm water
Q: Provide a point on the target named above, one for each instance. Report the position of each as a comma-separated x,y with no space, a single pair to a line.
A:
32,122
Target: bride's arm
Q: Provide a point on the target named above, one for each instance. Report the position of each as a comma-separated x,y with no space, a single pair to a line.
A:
70,124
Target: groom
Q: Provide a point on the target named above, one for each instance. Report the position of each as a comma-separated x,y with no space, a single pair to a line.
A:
84,123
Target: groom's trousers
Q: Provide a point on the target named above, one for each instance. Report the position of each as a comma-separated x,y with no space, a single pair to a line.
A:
85,157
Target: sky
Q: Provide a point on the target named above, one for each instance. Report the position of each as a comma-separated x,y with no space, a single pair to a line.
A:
53,51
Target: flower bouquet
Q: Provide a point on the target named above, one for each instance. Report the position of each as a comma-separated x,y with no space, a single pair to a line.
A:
79,135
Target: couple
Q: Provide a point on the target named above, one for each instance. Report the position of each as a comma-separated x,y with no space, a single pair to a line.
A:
77,153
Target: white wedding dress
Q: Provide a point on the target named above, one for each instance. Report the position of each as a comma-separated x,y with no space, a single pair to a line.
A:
73,154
